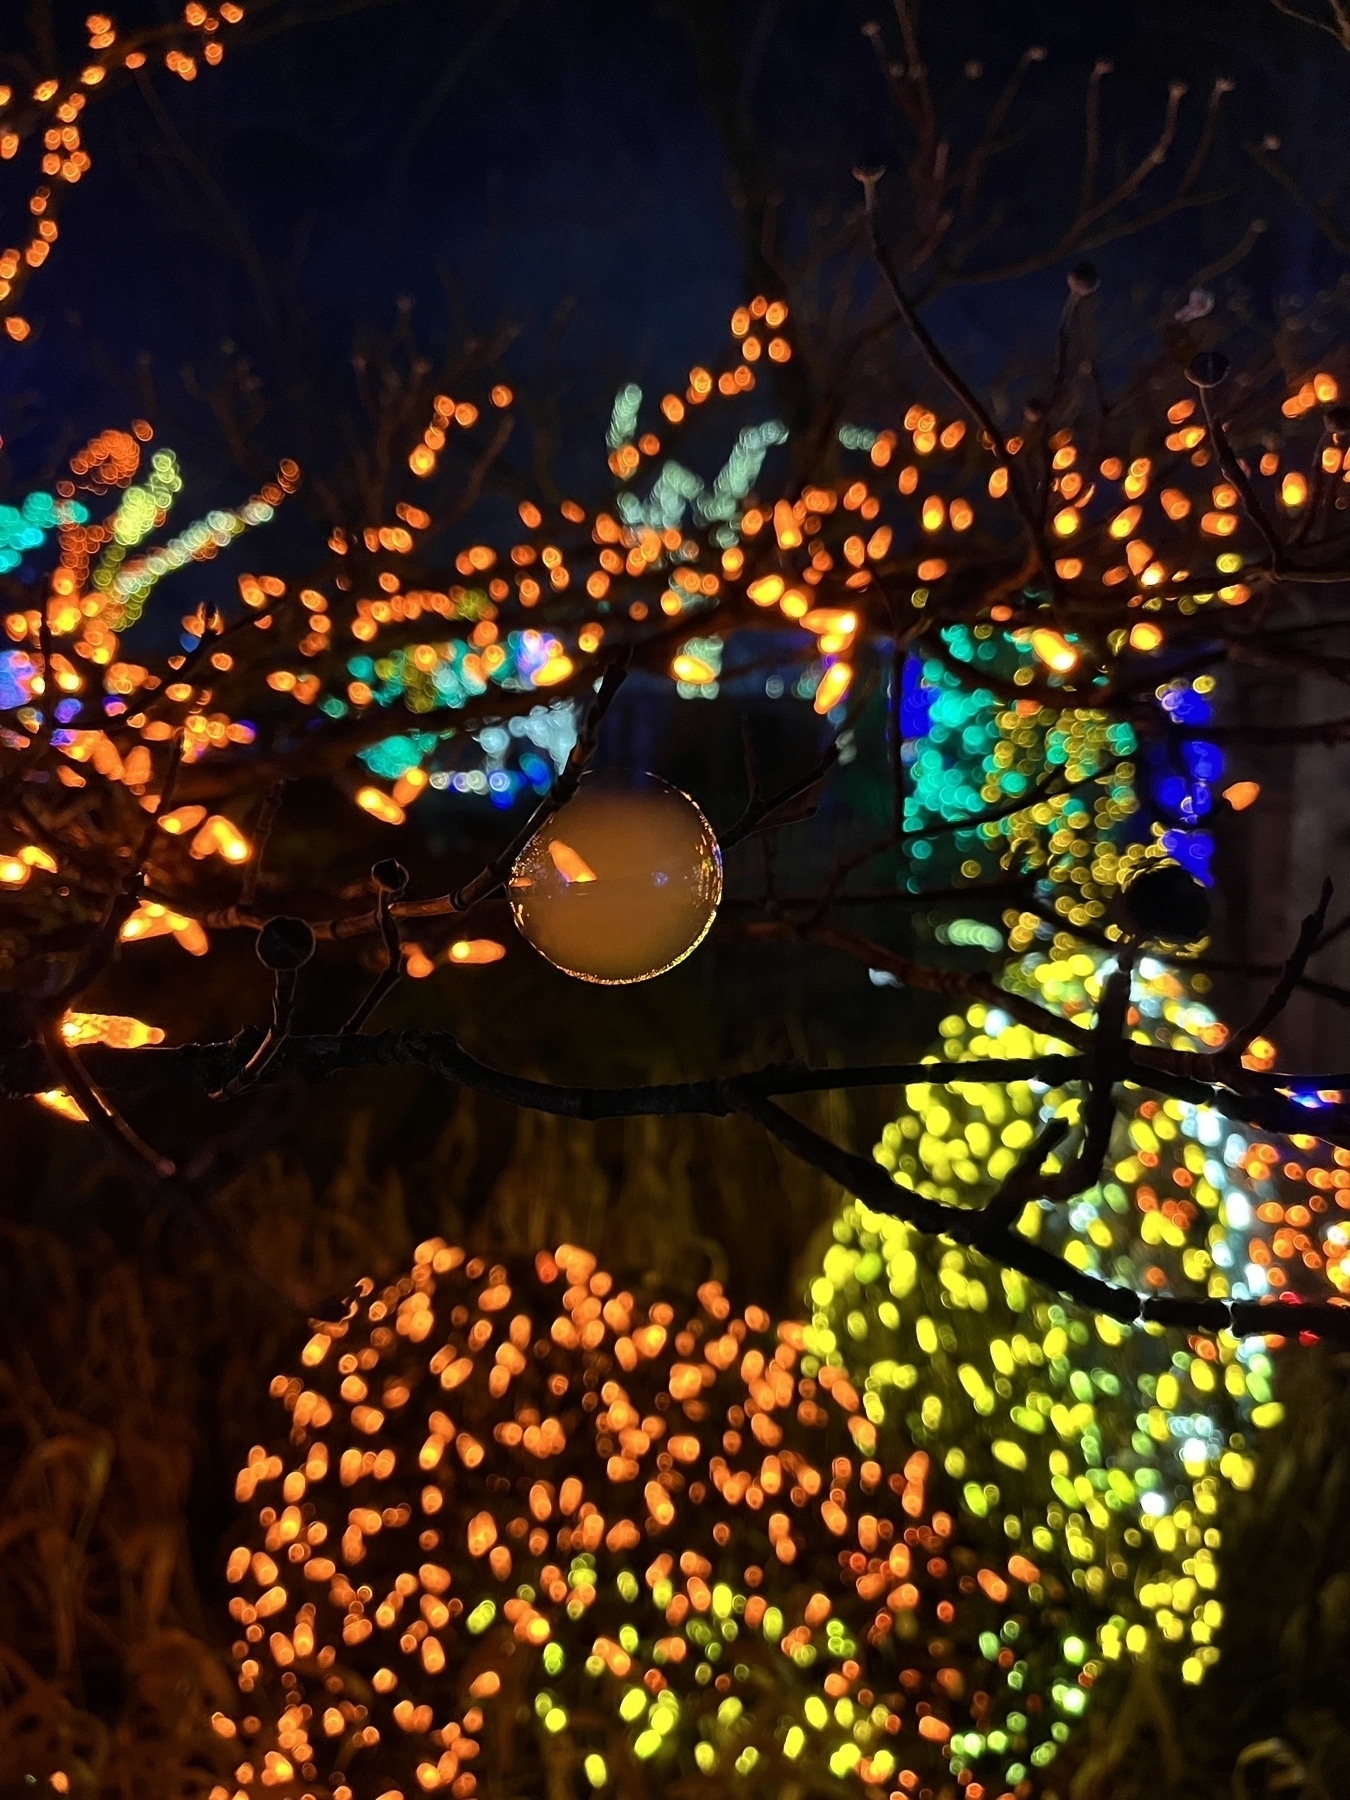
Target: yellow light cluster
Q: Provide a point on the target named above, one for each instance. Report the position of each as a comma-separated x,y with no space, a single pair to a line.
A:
1106,1448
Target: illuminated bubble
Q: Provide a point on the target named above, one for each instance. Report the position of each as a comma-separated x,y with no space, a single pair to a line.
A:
621,883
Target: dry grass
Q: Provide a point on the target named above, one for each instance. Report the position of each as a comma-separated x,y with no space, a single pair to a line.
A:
133,1378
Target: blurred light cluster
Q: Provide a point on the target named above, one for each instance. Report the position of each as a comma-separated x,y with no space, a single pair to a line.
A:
516,1521
522,755
27,527
1105,1439
720,554
54,124
1099,1452
1100,1448
1085,824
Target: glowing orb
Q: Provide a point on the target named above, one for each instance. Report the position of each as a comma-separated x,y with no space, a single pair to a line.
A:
621,883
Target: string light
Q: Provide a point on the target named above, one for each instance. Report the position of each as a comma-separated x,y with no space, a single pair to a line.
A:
122,1033
63,160
697,538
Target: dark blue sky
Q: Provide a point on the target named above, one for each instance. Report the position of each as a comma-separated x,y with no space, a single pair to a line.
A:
557,164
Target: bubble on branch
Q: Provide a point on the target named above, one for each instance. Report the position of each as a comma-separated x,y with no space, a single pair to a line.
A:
1207,369
621,883
285,944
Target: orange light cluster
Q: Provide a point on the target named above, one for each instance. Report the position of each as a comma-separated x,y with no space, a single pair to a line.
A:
63,160
513,1493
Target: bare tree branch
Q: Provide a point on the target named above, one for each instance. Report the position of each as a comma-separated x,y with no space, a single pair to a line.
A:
1290,976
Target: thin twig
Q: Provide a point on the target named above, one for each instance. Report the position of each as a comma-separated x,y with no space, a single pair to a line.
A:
1023,1183
984,149
935,359
284,983
1340,29
126,1144
1323,216
1280,995
267,817
1237,475
1099,1109
389,976
795,802
1092,132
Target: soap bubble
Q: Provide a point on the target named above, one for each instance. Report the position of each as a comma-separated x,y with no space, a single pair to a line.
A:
621,883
